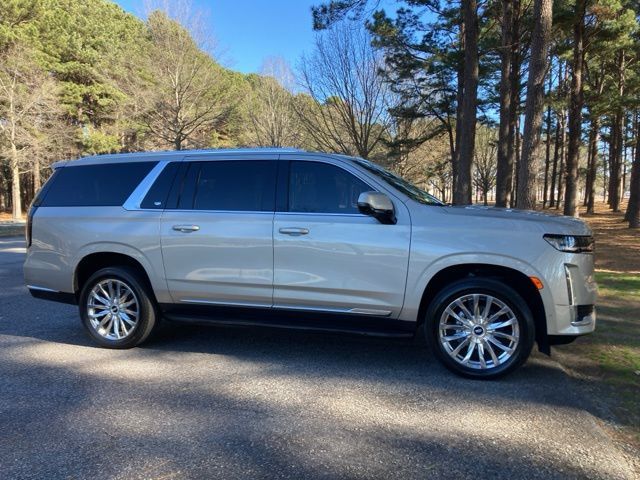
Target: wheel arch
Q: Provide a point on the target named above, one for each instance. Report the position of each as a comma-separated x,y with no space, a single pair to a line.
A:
516,279
92,262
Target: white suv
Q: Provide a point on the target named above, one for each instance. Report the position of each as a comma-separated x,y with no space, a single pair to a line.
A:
286,238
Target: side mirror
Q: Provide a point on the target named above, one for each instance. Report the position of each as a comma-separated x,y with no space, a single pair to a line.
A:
378,205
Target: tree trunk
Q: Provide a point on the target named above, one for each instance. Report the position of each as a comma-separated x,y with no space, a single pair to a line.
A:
593,164
37,176
516,162
615,157
615,162
16,201
575,112
633,209
455,158
554,169
462,193
513,152
563,156
547,159
504,175
535,104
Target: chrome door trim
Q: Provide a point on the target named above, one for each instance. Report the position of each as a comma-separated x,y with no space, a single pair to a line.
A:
224,304
370,311
351,311
42,289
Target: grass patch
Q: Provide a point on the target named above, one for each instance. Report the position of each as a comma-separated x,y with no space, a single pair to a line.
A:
614,348
620,285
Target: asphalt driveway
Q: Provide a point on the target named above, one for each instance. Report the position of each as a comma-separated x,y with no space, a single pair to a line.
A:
245,403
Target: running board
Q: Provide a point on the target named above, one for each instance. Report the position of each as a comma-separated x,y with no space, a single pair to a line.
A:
289,320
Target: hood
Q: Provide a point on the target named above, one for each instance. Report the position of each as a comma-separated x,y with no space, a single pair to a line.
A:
548,222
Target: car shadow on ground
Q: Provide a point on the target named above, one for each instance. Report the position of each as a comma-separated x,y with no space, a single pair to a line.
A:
402,364
398,375
212,432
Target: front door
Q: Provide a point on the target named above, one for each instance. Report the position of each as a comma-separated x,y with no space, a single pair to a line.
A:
217,243
330,257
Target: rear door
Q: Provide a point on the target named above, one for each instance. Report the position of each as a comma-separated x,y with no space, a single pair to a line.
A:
216,233
330,257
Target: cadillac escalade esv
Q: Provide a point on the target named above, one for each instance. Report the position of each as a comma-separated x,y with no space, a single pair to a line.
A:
288,238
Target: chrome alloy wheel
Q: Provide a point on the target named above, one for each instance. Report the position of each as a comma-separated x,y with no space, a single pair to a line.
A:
479,331
113,309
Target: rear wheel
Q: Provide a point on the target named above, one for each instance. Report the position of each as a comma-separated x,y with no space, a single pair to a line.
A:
480,328
116,308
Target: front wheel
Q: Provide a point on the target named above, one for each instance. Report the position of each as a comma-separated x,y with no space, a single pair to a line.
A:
480,328
116,308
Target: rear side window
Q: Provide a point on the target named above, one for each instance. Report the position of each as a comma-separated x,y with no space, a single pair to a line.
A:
316,187
101,185
244,185
156,197
37,201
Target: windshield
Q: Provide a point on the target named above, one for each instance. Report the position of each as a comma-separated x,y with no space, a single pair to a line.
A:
399,183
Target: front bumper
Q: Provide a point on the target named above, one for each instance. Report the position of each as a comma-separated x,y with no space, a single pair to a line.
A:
574,293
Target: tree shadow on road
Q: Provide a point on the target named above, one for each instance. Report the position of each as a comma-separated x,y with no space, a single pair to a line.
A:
251,403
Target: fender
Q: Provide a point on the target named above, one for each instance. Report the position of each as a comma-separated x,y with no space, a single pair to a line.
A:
417,281
158,282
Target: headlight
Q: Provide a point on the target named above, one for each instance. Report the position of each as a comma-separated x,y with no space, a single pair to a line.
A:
571,243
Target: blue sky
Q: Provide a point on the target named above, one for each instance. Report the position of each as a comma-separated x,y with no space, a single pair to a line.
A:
250,31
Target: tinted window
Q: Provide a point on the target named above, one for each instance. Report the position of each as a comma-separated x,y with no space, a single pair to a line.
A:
399,183
323,188
42,193
95,185
157,195
244,185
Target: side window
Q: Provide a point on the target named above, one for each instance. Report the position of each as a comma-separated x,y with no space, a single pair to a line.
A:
323,188
156,197
95,185
244,185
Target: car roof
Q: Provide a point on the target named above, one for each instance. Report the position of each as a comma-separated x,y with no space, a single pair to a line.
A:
167,155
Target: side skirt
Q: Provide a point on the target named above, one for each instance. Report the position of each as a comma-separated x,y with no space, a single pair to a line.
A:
60,297
288,319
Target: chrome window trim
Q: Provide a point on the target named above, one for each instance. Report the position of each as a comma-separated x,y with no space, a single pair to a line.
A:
325,214
188,210
137,196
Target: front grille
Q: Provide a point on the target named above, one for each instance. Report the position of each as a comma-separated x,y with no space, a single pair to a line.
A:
584,310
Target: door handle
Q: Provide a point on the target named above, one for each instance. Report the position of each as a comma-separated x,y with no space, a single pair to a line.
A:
294,231
186,228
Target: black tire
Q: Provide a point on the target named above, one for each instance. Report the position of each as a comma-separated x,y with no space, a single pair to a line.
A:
146,307
497,290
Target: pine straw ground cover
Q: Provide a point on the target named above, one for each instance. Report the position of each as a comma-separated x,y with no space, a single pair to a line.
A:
607,363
